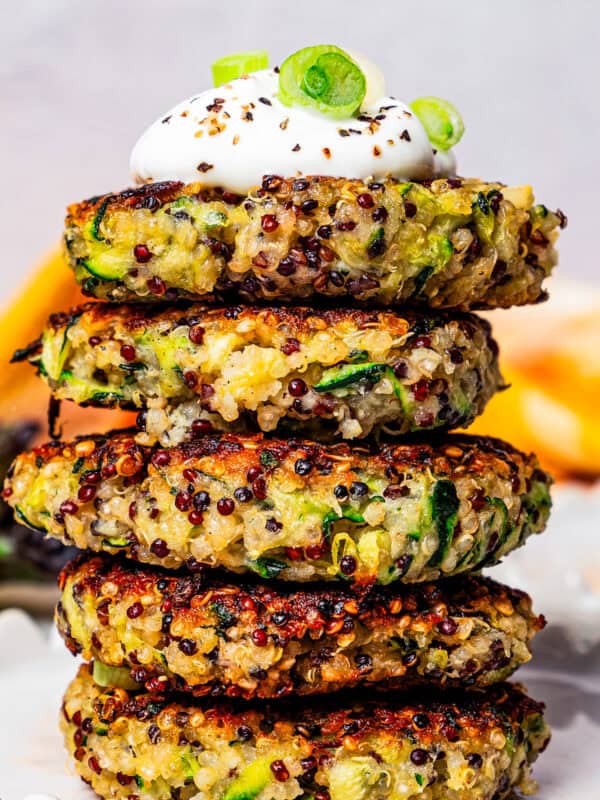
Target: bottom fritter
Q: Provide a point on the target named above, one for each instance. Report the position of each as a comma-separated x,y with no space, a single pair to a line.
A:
478,746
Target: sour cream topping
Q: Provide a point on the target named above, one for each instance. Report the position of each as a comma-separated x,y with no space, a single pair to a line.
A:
235,134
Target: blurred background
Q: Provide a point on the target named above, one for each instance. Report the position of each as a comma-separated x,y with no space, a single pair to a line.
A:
79,82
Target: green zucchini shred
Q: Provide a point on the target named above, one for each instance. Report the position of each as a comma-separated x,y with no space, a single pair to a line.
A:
444,514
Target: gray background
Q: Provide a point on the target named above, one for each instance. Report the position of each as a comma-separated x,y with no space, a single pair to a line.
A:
80,80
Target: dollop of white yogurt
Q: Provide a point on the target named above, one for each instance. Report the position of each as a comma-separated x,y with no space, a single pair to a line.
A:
235,134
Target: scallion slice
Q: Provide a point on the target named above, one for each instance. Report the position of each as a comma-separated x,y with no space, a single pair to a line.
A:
323,77
233,66
442,121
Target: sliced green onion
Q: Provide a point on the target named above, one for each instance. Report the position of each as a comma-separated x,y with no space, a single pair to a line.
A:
442,121
323,77
233,66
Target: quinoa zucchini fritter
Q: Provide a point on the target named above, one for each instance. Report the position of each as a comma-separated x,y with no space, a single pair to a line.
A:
478,746
353,371
204,635
288,509
450,243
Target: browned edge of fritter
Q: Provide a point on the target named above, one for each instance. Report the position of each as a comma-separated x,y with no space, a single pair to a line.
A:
445,713
449,454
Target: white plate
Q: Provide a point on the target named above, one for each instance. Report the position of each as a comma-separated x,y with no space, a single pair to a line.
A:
34,675
561,570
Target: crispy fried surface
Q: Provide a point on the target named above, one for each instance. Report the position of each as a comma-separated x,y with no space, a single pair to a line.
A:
202,634
478,746
456,243
348,371
287,508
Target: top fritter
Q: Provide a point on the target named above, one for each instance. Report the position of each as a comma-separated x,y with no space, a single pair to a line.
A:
449,243
397,226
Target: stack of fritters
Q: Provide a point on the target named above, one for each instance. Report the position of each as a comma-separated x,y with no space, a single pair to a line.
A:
248,556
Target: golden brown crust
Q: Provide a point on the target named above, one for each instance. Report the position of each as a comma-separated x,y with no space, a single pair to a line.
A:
480,744
298,320
450,455
145,196
468,631
474,713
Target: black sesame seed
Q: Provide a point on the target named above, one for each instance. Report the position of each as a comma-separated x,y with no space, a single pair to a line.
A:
409,659
303,466
420,721
188,647
419,756
447,627
377,247
309,764
286,267
400,369
340,492
271,183
244,733
201,501
243,494
308,205
154,734
348,565
325,607
358,489
456,357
